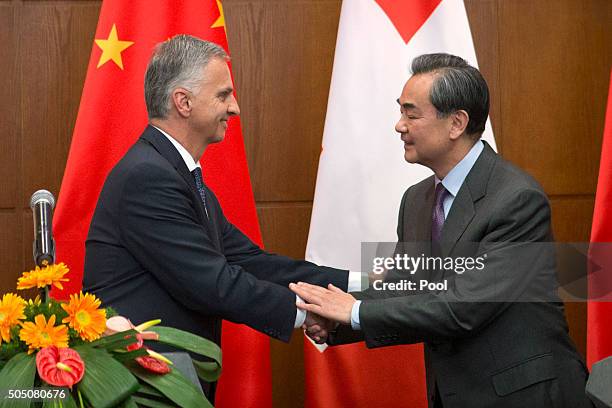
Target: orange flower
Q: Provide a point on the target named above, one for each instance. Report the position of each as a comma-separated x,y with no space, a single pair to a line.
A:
43,334
41,277
11,311
84,316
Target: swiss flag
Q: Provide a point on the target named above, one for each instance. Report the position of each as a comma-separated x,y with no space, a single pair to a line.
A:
362,176
111,117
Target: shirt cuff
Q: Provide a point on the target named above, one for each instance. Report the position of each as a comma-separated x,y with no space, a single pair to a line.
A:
355,324
354,282
300,316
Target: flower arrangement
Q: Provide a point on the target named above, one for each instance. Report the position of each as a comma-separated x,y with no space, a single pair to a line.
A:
100,357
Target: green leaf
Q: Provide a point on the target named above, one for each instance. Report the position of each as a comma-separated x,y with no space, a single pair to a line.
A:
115,341
148,390
18,373
106,381
173,385
208,371
146,402
12,348
122,357
128,403
66,403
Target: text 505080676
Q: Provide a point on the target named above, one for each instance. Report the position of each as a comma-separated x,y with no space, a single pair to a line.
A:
34,394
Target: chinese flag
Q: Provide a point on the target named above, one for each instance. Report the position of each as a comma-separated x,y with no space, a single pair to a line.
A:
112,115
599,320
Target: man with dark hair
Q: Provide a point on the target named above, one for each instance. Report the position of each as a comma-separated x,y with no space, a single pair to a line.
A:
491,339
159,245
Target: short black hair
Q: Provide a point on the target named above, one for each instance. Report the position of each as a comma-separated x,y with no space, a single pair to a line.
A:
458,86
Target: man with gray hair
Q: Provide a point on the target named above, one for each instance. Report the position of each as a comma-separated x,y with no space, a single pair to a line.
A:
159,245
486,343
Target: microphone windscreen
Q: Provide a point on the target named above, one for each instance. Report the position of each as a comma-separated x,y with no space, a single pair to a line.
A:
42,195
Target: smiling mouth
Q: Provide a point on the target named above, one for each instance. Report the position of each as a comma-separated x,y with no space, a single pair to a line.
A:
408,145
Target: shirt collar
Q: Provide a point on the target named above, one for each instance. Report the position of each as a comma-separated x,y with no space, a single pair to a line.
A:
187,157
455,178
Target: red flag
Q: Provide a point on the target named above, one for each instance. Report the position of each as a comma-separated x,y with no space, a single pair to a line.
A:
599,320
112,115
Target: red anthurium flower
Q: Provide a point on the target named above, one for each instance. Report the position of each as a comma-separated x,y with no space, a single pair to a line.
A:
153,362
61,367
154,365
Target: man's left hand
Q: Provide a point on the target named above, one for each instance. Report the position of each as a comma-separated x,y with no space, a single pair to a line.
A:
317,327
332,303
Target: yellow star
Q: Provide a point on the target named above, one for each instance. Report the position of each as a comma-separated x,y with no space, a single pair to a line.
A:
220,22
112,48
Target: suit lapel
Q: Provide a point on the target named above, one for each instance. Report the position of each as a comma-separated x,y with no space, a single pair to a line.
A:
461,214
473,189
169,152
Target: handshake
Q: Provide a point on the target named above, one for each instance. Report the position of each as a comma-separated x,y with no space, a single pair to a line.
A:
326,309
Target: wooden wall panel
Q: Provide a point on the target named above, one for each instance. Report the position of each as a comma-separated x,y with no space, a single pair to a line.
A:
286,227
283,54
571,217
10,157
554,72
10,165
483,18
55,51
10,255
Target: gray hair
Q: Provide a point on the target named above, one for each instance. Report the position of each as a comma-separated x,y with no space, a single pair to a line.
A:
178,62
457,86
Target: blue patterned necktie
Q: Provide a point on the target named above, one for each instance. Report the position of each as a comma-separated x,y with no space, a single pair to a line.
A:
437,216
199,181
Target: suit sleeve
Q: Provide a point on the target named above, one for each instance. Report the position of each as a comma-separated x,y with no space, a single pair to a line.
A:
241,251
160,228
478,296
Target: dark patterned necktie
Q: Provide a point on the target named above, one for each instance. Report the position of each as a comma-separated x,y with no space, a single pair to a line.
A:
437,215
199,181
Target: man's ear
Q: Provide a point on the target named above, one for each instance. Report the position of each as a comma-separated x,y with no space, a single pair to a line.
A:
459,122
181,102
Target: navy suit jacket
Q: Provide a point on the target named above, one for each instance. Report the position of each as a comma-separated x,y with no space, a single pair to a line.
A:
152,253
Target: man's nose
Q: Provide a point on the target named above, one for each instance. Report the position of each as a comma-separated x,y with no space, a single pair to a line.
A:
400,127
233,108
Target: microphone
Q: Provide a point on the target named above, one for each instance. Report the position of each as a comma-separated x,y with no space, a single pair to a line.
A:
43,247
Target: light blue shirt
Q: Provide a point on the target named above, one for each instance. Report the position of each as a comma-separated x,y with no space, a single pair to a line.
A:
452,182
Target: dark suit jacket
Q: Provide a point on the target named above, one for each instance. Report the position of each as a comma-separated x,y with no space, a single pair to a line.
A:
485,345
152,253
